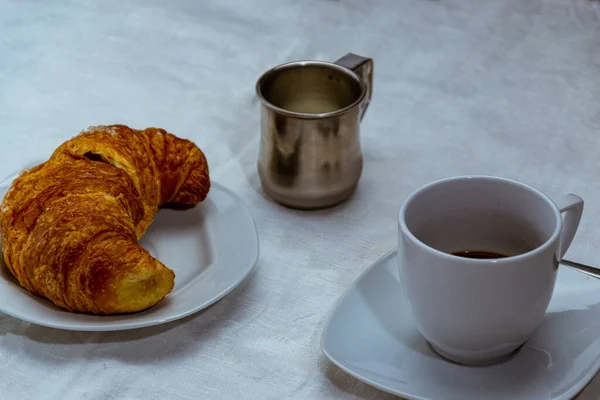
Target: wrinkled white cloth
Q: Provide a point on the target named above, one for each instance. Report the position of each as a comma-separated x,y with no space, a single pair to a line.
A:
503,87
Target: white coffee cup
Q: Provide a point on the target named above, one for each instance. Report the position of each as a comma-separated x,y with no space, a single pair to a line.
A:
480,311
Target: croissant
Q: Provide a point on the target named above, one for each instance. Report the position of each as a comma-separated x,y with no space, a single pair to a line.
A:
70,226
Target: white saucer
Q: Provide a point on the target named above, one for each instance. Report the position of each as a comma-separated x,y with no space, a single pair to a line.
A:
211,248
371,336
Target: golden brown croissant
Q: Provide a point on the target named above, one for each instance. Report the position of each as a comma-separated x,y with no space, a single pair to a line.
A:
70,226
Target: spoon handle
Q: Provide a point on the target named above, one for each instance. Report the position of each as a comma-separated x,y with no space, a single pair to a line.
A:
582,267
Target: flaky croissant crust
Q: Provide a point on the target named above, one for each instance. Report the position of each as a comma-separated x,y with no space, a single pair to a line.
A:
70,226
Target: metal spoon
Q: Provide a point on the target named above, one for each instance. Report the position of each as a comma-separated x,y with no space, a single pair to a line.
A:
582,267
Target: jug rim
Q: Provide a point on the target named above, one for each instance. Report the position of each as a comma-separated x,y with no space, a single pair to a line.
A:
304,63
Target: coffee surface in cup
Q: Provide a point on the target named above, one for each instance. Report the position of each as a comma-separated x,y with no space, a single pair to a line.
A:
479,254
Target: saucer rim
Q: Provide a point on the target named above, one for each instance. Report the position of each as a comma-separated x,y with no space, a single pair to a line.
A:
327,324
568,394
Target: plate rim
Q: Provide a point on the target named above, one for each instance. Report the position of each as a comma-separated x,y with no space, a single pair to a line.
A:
568,394
131,325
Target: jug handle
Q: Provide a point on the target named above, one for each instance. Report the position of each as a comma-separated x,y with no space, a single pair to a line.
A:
363,67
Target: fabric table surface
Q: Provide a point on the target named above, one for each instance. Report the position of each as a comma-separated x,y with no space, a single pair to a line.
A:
501,87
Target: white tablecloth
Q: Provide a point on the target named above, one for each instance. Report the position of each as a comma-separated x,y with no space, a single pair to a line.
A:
505,87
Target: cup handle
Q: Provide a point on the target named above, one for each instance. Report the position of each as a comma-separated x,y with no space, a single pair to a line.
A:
572,206
363,67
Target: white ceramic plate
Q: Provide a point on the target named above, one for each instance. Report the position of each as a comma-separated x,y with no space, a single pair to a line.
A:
211,248
371,336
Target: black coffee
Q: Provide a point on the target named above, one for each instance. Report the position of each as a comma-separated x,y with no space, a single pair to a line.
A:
480,254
